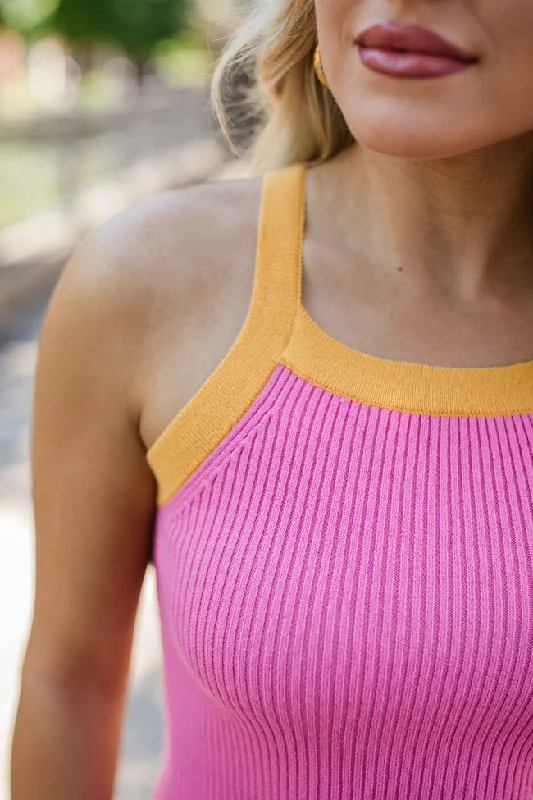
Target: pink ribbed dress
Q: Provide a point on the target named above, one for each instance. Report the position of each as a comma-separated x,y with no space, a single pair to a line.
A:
344,555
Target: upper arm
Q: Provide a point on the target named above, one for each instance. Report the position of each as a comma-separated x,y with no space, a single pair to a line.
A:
93,492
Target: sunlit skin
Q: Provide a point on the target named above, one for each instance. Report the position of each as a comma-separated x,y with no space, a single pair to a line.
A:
418,248
489,102
429,214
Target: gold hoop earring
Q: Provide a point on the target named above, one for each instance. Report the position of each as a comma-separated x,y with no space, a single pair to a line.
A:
319,70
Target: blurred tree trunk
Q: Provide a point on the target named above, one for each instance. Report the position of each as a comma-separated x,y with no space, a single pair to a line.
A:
83,55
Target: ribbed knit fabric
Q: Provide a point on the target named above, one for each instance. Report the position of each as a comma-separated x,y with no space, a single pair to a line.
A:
346,599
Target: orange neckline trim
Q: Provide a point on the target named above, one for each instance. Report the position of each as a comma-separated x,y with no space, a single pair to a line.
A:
405,387
278,329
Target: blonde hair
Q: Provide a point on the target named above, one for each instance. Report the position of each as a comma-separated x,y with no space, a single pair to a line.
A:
297,119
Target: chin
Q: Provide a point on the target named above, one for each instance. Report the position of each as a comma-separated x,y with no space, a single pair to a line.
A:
404,142
415,133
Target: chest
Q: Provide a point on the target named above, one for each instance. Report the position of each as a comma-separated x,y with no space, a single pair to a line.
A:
335,556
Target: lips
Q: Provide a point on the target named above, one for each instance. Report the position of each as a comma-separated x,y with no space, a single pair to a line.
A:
410,51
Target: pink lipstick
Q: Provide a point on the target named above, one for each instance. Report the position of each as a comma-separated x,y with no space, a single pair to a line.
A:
410,51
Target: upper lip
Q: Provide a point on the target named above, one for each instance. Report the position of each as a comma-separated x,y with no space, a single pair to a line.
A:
411,39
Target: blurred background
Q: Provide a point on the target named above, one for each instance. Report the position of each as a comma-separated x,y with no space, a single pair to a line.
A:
102,102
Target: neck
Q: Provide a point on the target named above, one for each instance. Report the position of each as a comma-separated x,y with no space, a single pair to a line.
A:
463,222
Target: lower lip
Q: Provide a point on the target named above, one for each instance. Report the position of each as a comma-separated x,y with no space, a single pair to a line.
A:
409,65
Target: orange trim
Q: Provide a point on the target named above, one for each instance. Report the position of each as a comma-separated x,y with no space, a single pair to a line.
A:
232,388
411,388
278,329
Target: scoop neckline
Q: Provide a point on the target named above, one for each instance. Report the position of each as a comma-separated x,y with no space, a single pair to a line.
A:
404,386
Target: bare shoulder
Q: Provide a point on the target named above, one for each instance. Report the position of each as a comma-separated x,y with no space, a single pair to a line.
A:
167,242
170,280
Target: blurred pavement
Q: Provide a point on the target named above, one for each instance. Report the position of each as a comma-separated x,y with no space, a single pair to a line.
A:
20,324
142,740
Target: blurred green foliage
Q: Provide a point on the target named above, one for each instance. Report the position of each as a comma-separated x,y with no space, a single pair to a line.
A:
184,58
133,26
26,15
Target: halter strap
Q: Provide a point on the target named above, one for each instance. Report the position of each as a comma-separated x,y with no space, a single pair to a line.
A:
208,418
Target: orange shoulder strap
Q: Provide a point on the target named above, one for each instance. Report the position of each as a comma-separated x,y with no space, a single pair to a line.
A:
232,388
279,246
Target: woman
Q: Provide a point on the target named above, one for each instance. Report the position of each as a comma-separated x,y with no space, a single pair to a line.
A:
340,438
